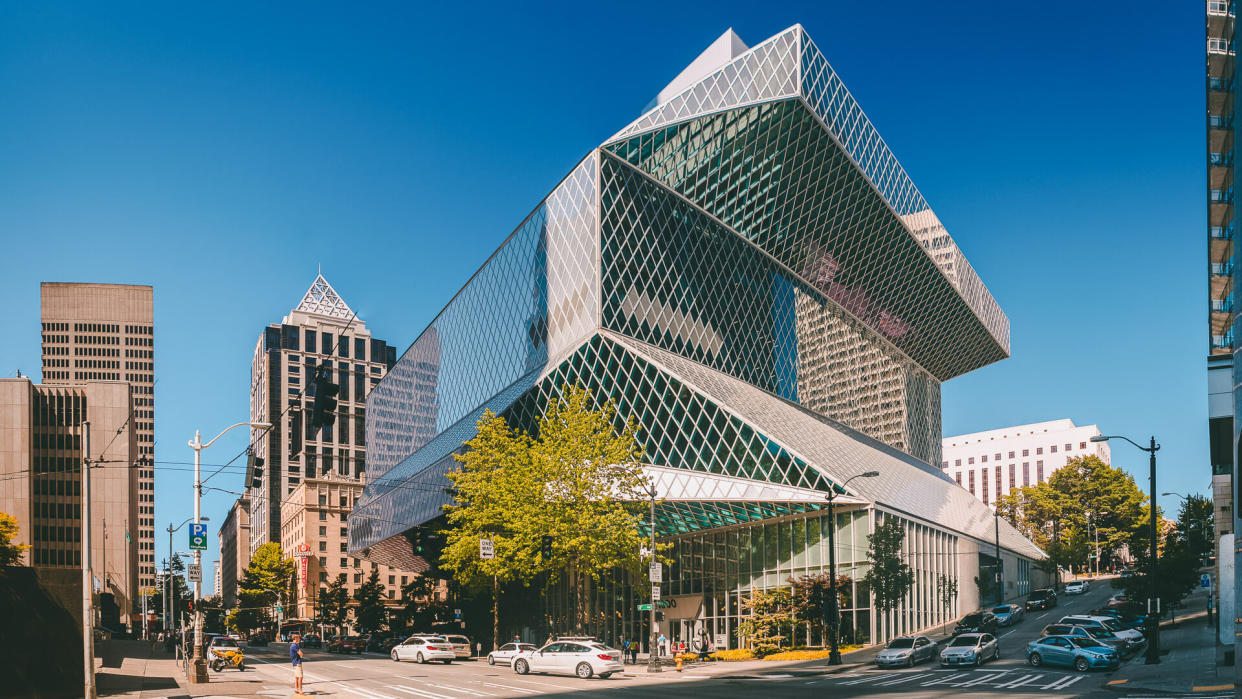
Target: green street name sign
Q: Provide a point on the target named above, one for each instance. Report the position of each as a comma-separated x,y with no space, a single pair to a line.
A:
659,605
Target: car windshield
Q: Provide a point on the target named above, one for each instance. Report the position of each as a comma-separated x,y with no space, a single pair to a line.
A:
1000,610
964,642
228,642
900,642
1039,594
1102,633
1086,642
971,619
1110,625
1057,630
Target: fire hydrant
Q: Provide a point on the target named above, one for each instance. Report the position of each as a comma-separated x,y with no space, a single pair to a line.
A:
678,658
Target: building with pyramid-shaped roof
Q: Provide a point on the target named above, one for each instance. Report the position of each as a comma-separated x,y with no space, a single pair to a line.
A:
747,272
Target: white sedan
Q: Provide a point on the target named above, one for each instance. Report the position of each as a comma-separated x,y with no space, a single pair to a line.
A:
506,653
1077,587
420,649
581,658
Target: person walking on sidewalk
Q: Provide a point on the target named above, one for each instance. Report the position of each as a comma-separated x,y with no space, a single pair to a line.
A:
295,657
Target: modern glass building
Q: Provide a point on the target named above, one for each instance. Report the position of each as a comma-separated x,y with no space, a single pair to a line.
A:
748,272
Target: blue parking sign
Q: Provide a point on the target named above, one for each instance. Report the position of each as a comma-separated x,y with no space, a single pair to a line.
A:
198,536
1205,580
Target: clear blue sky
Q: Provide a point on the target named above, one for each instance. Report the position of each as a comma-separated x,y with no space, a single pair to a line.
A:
221,153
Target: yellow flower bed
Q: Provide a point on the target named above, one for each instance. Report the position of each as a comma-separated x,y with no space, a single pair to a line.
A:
807,654
735,654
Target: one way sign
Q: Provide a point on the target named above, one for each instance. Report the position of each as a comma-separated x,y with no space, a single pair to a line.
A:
198,537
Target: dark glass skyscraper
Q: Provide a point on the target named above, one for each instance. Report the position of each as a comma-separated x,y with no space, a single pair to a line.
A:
747,272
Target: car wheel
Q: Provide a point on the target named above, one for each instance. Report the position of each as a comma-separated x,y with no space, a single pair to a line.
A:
490,659
605,675
1034,660
584,671
394,657
448,662
521,667
419,658
1082,665
996,655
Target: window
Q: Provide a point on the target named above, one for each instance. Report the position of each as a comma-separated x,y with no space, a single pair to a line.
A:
323,561
357,563
360,348
971,481
1052,449
957,462
344,562
1039,471
323,577
357,577
344,346
327,343
984,458
944,465
323,499
344,532
323,546
323,531
310,341
1026,452
958,477
1069,447
985,486
1083,445
323,515
1039,450
343,547
970,460
1026,473
1013,477
392,580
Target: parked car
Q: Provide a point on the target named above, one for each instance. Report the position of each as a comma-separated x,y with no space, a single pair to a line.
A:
421,649
311,640
1117,601
581,658
381,642
346,644
906,651
977,622
1109,623
1104,636
1077,587
1042,598
461,644
1082,654
1008,614
256,639
506,653
970,649
1137,622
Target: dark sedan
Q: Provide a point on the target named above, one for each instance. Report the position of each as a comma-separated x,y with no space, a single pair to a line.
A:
977,622
1042,598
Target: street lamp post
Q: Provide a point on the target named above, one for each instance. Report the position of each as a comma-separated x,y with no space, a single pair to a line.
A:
653,661
1153,634
832,615
199,675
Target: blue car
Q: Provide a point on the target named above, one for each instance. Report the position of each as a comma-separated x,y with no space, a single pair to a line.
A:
1008,614
1080,653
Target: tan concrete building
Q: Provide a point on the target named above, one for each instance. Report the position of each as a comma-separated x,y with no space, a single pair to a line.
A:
234,538
321,331
106,332
317,514
42,444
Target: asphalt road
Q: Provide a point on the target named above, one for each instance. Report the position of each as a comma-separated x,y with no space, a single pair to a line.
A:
373,676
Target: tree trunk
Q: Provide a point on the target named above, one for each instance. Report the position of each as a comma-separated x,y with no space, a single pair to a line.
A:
495,612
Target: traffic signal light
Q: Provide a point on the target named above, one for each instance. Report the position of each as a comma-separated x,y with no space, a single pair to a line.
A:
255,468
189,606
323,409
545,547
659,616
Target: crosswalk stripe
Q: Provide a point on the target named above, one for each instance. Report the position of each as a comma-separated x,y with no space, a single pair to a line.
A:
943,679
1063,682
872,677
418,692
506,686
459,689
993,675
904,678
1020,681
362,692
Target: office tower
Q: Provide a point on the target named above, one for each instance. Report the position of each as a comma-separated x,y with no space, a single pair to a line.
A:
106,332
234,538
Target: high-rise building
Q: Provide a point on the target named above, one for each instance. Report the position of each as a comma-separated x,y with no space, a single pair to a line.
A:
234,538
992,463
321,332
748,273
42,444
1224,397
106,332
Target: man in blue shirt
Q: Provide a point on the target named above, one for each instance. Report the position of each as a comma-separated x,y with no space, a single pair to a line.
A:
295,657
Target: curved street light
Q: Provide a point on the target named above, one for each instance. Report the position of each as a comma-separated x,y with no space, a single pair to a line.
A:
1153,633
831,613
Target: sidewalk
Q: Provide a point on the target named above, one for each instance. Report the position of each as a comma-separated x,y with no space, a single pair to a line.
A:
1188,658
131,669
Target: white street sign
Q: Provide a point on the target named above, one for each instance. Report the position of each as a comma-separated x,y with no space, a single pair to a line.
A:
486,550
656,573
655,592
194,572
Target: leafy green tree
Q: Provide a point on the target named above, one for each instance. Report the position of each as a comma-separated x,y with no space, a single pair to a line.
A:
182,594
946,595
421,606
334,603
10,553
889,577
371,613
213,613
578,480
263,585
770,614
1182,552
1196,523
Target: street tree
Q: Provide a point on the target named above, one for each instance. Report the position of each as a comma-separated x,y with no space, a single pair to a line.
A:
334,603
810,600
1182,553
946,595
10,553
769,619
422,606
578,480
1196,523
262,586
889,577
371,613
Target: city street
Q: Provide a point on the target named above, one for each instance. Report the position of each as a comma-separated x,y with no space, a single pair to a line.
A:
373,675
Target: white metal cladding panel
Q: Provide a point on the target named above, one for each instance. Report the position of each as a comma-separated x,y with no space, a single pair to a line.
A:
904,483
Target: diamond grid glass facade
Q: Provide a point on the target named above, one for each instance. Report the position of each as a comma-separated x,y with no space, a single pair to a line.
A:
748,274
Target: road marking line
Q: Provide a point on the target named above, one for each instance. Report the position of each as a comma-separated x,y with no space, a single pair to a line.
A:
418,692
1020,681
1116,681
548,684
362,692
1211,688
995,675
945,679
1063,682
451,688
871,677
506,686
1041,616
1006,633
904,678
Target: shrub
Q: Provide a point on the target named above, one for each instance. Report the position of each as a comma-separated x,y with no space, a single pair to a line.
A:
798,655
734,655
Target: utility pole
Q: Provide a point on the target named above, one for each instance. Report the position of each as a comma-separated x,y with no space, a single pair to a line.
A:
832,612
88,607
1000,569
653,661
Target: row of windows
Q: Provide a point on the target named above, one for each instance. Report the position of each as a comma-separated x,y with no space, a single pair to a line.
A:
139,378
93,351
64,351
55,327
140,329
1025,452
96,340
96,328
1013,478
57,486
57,557
96,364
57,440
56,363
143,366
57,510
96,376
55,339
140,354
55,533
140,342
52,375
